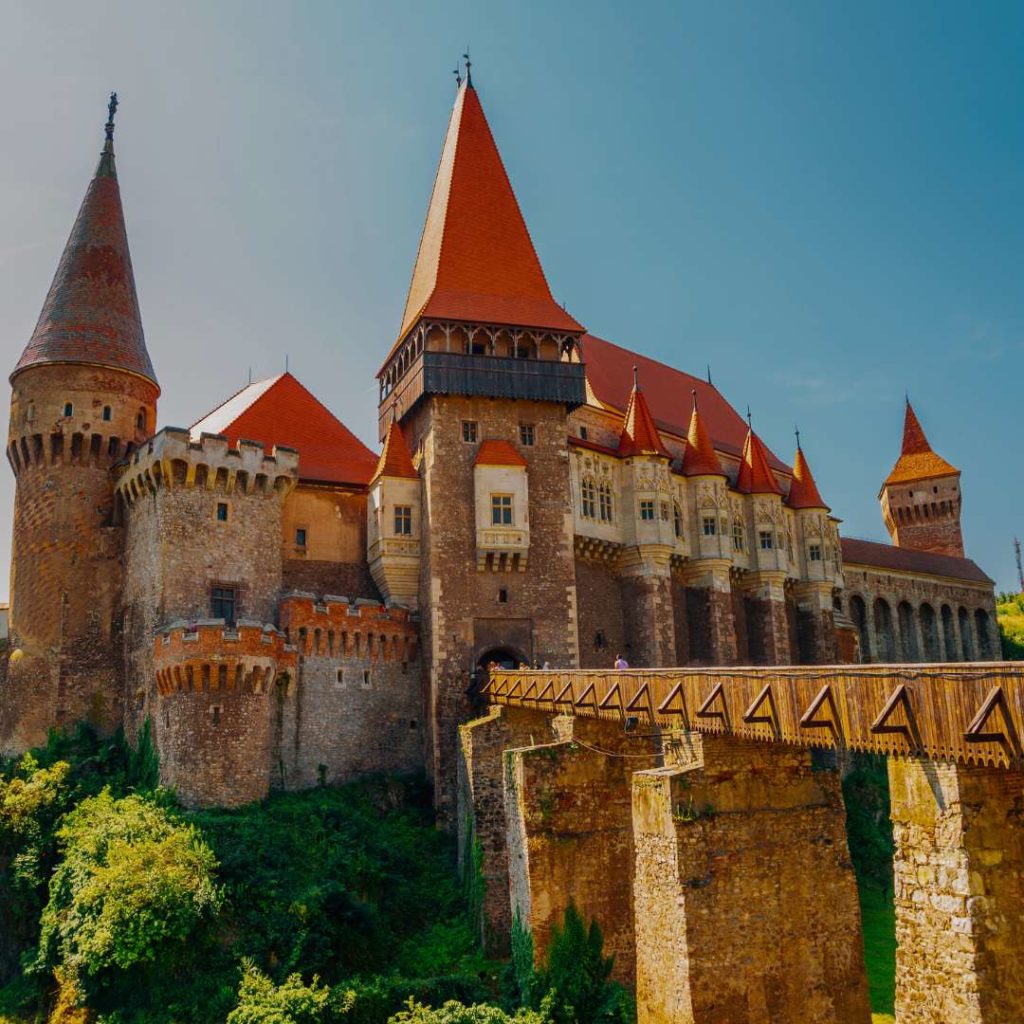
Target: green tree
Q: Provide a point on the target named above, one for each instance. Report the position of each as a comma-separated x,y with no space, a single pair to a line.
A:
133,884
457,1013
260,1001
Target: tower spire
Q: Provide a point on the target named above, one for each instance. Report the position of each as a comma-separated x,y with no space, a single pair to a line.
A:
640,435
803,492
91,313
699,456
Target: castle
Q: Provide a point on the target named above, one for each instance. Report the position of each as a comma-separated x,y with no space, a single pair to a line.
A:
284,607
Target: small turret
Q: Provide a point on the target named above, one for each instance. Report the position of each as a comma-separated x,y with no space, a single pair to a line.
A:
921,497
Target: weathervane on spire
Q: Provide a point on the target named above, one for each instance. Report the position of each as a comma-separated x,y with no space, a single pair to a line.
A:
750,419
458,76
796,430
636,377
693,393
111,110
469,64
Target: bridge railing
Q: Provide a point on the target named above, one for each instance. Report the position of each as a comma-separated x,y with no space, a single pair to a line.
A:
968,713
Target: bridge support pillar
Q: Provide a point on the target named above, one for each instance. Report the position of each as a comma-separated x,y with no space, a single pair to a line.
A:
746,902
570,834
481,810
648,617
959,884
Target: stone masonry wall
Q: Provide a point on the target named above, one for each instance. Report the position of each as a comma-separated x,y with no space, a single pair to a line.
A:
461,606
599,605
570,838
746,902
67,549
649,620
482,828
959,888
358,705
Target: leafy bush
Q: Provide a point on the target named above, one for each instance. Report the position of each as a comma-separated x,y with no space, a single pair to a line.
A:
133,881
457,1013
1010,615
260,1001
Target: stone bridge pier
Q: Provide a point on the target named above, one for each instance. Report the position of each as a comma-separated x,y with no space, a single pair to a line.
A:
959,887
746,902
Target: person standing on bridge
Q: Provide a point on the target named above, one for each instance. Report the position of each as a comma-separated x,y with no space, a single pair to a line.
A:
620,661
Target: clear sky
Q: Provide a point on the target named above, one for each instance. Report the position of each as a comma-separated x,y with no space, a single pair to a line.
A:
821,199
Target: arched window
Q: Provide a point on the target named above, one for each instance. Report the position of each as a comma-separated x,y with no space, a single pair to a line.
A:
605,499
859,614
884,635
966,639
140,420
739,541
929,633
587,509
677,520
981,625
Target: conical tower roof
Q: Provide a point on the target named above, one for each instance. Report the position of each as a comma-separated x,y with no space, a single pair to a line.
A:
395,460
91,313
700,458
755,475
917,461
803,492
639,434
476,261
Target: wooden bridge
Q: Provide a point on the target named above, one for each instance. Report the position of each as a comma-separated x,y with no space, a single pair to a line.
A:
683,809
969,714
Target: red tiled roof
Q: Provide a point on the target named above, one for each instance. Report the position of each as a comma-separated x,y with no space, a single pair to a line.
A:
476,261
699,458
91,313
498,453
888,556
755,475
917,461
639,434
667,390
395,460
582,442
803,492
280,411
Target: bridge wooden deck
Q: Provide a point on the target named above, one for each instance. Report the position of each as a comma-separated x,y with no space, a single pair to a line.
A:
964,713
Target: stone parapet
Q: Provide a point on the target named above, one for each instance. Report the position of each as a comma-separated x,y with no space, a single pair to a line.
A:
338,627
172,459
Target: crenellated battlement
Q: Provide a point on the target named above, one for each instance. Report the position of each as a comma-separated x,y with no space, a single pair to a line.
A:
336,627
209,657
60,448
172,459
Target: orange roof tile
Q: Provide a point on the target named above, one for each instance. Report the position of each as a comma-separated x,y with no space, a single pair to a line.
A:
755,475
476,261
395,460
280,411
917,461
803,492
888,556
498,453
608,367
639,434
699,458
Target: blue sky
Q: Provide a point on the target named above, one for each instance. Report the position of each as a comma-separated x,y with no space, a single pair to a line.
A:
821,199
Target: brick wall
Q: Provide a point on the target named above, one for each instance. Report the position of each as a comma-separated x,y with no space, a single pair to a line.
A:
599,606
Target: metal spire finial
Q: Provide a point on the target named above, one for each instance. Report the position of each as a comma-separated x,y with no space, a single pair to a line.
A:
458,76
636,377
796,430
750,419
469,64
109,126
709,374
693,393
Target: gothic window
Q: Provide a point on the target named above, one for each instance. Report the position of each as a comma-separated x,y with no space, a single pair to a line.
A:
677,521
403,520
766,539
710,525
647,510
526,434
814,553
224,603
605,496
501,509
738,539
140,420
469,431
587,491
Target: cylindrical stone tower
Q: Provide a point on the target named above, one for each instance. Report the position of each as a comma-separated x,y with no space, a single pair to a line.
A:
83,396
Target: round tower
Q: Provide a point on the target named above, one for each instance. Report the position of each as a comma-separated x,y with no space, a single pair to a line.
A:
84,395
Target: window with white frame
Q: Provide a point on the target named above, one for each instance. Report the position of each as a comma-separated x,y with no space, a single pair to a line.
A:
587,491
403,520
647,510
766,539
501,510
738,538
605,498
710,526
814,553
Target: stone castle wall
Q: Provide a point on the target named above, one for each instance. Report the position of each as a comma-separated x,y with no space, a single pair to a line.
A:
358,703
